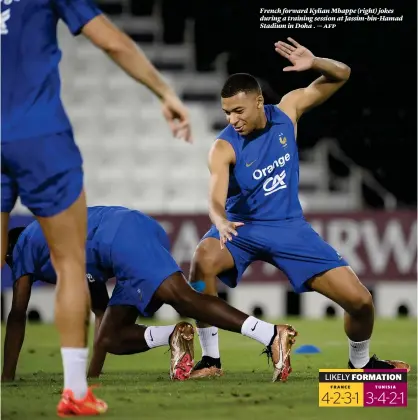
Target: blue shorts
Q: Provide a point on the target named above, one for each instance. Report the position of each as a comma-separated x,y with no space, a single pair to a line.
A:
141,260
292,246
45,172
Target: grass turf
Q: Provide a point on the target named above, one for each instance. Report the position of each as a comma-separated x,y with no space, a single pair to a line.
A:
138,387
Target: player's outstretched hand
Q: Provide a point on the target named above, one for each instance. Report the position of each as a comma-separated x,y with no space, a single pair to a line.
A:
301,58
177,117
226,230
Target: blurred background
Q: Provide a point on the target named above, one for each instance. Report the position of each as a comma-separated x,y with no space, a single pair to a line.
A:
358,151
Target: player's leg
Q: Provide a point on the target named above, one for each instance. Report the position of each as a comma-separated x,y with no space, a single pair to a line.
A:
65,234
342,286
8,199
120,335
187,302
312,264
140,255
241,252
135,251
50,180
208,261
278,339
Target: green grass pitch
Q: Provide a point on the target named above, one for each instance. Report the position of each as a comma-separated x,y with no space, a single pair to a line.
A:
138,387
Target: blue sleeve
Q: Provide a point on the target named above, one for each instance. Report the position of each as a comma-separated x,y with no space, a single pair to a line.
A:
76,13
23,262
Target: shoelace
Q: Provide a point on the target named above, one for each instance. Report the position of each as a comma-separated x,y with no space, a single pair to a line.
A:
269,354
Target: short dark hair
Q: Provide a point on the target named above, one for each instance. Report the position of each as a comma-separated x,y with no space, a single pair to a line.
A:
240,82
13,237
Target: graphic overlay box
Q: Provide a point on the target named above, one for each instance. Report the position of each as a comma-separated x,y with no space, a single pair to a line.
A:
363,388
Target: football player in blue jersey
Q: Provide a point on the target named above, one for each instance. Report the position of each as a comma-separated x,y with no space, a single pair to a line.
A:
256,213
133,248
41,163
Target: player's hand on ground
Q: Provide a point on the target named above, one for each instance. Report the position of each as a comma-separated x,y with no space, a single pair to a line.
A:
177,117
301,58
226,230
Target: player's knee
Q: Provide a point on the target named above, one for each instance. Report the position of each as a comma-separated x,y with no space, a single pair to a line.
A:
185,304
67,263
205,261
61,256
361,303
105,342
183,297
180,295
173,289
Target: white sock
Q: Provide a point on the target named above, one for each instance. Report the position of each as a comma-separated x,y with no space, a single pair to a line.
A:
158,336
258,330
209,341
74,361
359,353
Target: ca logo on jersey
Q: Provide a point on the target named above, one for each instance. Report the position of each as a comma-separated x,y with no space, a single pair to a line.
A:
275,183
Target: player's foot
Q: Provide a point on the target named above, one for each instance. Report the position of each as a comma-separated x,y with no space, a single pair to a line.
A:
207,367
279,351
87,406
182,351
376,363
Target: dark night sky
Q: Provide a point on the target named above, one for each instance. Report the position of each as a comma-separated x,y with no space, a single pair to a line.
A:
383,59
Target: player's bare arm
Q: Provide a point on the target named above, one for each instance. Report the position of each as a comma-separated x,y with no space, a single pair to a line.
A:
99,302
15,327
221,156
125,53
334,75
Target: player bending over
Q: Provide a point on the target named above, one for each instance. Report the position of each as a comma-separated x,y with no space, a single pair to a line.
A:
30,265
256,213
41,163
134,248
36,256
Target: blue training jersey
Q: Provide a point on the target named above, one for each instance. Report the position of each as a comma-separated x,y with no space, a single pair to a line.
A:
30,83
31,253
264,182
